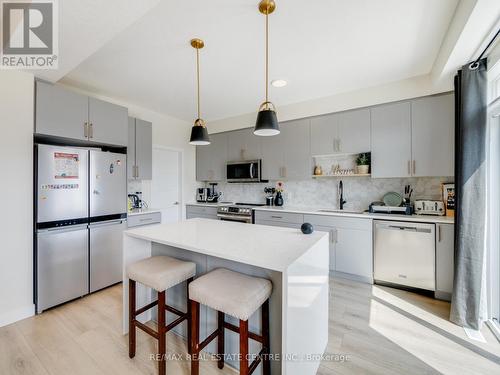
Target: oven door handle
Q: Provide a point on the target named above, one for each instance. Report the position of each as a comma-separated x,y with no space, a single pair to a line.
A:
234,217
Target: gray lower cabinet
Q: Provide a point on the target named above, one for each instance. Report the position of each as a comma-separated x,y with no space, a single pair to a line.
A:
63,113
211,159
140,149
445,250
60,112
351,249
107,122
204,212
279,219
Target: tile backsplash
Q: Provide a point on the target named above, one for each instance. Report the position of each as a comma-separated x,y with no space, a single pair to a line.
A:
358,191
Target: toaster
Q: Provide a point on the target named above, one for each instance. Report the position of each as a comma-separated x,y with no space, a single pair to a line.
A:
429,207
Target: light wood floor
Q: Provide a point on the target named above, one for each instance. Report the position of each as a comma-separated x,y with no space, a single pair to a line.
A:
379,331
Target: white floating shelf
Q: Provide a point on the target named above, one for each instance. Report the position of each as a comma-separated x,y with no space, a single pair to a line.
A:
342,175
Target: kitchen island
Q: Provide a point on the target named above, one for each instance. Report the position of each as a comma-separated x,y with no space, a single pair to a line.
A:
297,265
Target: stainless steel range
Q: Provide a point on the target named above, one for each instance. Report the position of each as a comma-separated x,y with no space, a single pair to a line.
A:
240,212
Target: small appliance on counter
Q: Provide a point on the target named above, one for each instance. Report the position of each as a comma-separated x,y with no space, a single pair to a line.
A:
429,207
212,195
270,195
135,200
202,195
381,208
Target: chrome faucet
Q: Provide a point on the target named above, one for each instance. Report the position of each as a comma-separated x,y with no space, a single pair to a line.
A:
341,195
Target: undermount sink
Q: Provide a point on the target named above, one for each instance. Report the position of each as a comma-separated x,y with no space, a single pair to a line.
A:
340,211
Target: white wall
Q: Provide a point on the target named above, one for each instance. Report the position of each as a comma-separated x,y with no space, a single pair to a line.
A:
400,90
16,171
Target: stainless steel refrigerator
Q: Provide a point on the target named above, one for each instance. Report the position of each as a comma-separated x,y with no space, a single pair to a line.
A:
81,205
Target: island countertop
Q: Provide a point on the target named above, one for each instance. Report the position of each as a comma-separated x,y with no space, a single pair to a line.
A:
256,245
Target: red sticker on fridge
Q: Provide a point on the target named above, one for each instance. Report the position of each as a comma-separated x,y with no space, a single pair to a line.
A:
66,165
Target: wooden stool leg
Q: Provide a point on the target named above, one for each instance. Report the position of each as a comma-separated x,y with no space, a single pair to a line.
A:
266,362
243,347
195,337
162,335
220,339
188,304
131,318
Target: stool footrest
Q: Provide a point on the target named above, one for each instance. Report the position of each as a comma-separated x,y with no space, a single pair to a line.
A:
256,361
208,340
145,328
146,308
251,335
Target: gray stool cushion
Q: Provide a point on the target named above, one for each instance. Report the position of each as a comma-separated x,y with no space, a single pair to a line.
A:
161,272
231,292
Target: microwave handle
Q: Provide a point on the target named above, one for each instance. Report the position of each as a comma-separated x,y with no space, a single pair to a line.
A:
251,170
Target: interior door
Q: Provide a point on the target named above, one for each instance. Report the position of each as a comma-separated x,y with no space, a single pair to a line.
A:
62,265
166,184
62,191
108,183
106,253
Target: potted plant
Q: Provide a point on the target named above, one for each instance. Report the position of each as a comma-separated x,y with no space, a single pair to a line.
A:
363,163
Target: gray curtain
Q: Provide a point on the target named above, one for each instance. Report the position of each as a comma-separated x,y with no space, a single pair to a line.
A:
470,190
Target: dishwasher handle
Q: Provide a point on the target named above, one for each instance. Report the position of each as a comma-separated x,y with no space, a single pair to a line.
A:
404,227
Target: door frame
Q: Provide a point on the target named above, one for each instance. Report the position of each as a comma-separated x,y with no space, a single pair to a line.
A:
182,214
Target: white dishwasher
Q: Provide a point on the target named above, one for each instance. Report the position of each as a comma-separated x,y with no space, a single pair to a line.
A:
404,254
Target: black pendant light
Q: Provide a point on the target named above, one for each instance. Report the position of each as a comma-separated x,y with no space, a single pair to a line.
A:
267,121
199,133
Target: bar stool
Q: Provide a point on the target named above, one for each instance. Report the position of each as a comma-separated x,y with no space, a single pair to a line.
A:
158,273
237,295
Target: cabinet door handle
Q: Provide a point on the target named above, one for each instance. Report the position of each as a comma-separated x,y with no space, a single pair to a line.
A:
414,167
277,217
85,130
339,145
409,167
91,130
284,172
137,171
333,236
439,233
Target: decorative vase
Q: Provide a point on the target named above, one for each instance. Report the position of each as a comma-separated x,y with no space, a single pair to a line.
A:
318,171
363,169
278,200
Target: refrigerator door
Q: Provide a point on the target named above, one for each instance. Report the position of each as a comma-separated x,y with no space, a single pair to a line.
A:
108,184
62,265
62,183
106,253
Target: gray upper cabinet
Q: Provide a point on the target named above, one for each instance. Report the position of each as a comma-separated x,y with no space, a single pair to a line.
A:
107,122
354,131
324,134
64,113
243,145
273,157
140,149
296,149
60,113
433,136
211,159
346,132
391,140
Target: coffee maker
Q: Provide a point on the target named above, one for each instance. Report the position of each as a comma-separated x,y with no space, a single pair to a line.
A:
213,195
202,195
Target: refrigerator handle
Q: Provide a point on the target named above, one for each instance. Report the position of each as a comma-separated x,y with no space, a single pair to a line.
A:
106,223
70,228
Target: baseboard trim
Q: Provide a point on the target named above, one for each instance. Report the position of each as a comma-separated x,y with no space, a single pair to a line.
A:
348,276
13,316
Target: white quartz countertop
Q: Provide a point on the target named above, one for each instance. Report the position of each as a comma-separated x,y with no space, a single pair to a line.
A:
364,215
273,248
143,211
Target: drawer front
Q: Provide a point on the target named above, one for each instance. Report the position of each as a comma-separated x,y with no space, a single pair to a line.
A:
144,219
201,210
278,224
339,222
190,215
279,217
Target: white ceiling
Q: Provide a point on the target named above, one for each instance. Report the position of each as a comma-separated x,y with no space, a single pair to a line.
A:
320,47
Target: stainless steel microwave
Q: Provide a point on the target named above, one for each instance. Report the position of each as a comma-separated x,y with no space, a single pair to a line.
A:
244,171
